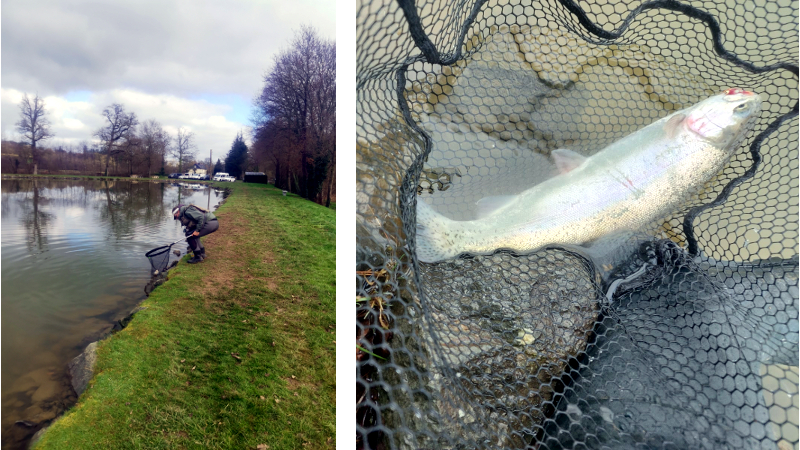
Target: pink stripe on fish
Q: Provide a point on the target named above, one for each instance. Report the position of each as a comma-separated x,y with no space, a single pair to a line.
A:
734,91
701,125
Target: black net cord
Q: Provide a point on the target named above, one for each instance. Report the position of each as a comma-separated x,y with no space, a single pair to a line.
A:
755,153
431,55
676,6
416,31
426,46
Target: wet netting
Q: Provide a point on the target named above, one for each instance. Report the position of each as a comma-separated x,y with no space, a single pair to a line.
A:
159,258
682,334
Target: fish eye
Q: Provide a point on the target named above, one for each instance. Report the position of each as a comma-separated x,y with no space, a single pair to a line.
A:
740,107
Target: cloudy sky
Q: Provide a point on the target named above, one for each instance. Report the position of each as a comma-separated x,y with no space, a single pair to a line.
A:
185,63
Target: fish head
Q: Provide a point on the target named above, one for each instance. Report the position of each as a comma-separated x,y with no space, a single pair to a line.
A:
723,120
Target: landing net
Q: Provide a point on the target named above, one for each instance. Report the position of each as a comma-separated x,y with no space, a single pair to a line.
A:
461,100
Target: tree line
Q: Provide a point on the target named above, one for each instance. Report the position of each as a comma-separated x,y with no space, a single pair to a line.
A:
294,119
123,145
293,133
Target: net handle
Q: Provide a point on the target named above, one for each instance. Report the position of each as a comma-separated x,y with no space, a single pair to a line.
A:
179,240
165,247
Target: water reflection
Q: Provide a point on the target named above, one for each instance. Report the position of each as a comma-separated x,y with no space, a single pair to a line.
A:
34,219
72,261
129,203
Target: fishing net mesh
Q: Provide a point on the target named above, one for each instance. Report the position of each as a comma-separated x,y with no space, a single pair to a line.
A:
159,258
462,100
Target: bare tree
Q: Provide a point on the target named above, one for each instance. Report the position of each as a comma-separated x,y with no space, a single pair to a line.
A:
295,116
324,116
131,150
165,144
115,134
184,146
33,125
155,143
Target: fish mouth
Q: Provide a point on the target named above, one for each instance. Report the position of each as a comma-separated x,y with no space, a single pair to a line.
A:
740,112
742,97
735,91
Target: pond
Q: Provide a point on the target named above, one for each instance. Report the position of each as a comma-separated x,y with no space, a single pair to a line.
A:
72,261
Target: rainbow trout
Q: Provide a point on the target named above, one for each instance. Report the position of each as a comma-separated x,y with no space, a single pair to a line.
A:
626,186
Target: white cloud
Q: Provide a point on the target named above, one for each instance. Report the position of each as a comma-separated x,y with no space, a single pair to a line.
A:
180,47
76,121
157,57
73,124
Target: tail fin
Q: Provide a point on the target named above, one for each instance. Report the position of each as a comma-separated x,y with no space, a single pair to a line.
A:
435,239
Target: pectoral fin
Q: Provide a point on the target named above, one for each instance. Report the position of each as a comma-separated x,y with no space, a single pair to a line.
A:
671,127
567,160
488,205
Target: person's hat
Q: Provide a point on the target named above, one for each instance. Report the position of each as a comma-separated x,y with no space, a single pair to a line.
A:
176,210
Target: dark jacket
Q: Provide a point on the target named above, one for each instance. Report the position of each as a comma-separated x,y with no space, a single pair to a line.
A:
194,218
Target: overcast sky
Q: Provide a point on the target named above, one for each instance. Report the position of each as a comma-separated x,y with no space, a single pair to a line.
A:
191,63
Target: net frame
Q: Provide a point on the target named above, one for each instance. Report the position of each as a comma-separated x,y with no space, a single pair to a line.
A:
159,257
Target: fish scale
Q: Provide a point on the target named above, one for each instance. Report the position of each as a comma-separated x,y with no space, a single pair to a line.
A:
626,186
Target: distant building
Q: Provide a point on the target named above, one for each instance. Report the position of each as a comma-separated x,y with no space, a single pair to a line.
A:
198,169
255,177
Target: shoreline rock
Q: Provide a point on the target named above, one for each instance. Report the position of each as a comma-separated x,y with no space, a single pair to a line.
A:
38,435
81,368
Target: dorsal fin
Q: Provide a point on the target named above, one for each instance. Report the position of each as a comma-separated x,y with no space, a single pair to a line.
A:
488,205
567,160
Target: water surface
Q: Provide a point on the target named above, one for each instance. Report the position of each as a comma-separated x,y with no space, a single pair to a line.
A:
72,261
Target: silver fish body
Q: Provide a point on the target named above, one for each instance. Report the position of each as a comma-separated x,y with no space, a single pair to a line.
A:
626,186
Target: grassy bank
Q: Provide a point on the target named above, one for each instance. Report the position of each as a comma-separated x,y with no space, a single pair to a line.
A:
236,352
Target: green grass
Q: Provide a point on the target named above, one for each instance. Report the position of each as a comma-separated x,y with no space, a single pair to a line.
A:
232,353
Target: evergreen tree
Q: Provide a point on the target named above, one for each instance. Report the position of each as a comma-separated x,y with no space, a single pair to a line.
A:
218,167
237,157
